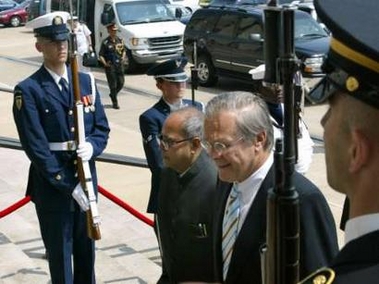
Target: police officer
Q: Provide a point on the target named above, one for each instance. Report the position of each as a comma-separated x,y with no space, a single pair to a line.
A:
171,80
112,55
43,112
351,134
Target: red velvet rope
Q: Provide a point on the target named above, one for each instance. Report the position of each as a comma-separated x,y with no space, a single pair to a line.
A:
14,206
126,206
104,192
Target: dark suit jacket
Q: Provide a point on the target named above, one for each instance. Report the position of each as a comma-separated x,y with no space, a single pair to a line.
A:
185,211
43,115
151,123
318,239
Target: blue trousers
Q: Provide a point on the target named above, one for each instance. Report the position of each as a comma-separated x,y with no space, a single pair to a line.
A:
71,253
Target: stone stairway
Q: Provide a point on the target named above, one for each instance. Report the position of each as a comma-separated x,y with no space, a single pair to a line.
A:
126,253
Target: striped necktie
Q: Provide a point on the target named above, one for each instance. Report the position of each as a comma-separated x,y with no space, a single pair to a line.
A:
230,228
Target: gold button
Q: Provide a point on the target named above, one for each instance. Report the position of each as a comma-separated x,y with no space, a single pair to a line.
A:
352,84
58,177
75,162
70,112
72,129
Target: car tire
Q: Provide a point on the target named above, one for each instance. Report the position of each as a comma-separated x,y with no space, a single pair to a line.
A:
130,64
206,72
15,21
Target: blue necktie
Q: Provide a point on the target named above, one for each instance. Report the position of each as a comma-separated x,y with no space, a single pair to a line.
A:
230,228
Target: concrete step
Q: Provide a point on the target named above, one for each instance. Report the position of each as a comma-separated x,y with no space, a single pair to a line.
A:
126,253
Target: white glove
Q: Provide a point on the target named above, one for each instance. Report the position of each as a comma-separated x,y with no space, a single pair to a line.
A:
85,151
81,198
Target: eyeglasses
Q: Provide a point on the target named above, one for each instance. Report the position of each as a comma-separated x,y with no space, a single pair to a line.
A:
167,143
219,147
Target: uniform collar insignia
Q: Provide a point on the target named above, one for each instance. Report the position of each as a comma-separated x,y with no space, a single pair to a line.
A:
18,102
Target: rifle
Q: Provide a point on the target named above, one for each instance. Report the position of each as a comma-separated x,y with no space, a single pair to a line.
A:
84,172
194,73
280,256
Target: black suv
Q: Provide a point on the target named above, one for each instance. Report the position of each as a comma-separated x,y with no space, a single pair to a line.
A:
229,42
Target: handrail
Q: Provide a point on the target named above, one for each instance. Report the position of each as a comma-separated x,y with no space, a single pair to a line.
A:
12,143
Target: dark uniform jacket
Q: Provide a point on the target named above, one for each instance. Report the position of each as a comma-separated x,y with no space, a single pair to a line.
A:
184,216
318,239
43,115
358,261
151,123
112,51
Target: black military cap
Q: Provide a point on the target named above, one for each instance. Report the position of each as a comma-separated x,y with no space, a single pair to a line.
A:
352,64
171,70
52,26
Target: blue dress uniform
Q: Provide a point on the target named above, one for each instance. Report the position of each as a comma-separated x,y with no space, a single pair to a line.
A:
352,67
151,123
45,123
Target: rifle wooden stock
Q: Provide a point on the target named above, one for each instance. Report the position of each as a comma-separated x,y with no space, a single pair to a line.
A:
282,252
84,172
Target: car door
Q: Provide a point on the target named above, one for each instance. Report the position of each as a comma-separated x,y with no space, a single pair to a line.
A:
220,40
247,45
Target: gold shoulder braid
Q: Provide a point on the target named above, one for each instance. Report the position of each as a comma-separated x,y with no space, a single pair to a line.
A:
324,275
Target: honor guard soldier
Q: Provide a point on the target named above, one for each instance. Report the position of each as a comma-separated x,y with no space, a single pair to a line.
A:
43,111
351,134
171,79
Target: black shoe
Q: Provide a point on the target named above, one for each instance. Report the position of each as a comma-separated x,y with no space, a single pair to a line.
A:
116,106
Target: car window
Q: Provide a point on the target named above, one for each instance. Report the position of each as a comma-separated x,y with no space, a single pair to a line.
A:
247,26
226,25
203,22
306,26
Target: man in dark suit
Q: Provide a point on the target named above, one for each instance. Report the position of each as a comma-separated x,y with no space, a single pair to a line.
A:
171,80
239,137
351,134
185,203
43,112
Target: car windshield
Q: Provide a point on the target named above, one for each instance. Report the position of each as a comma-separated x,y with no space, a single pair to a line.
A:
306,27
136,12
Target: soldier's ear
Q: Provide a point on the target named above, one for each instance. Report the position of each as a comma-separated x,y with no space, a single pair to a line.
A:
38,46
359,151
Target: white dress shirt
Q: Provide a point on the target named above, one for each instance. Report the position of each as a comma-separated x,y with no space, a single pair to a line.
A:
362,225
248,189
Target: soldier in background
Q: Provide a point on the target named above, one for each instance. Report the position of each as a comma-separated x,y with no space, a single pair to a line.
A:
112,55
351,134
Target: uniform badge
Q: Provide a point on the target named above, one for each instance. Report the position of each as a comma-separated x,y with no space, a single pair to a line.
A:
57,21
18,101
178,63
